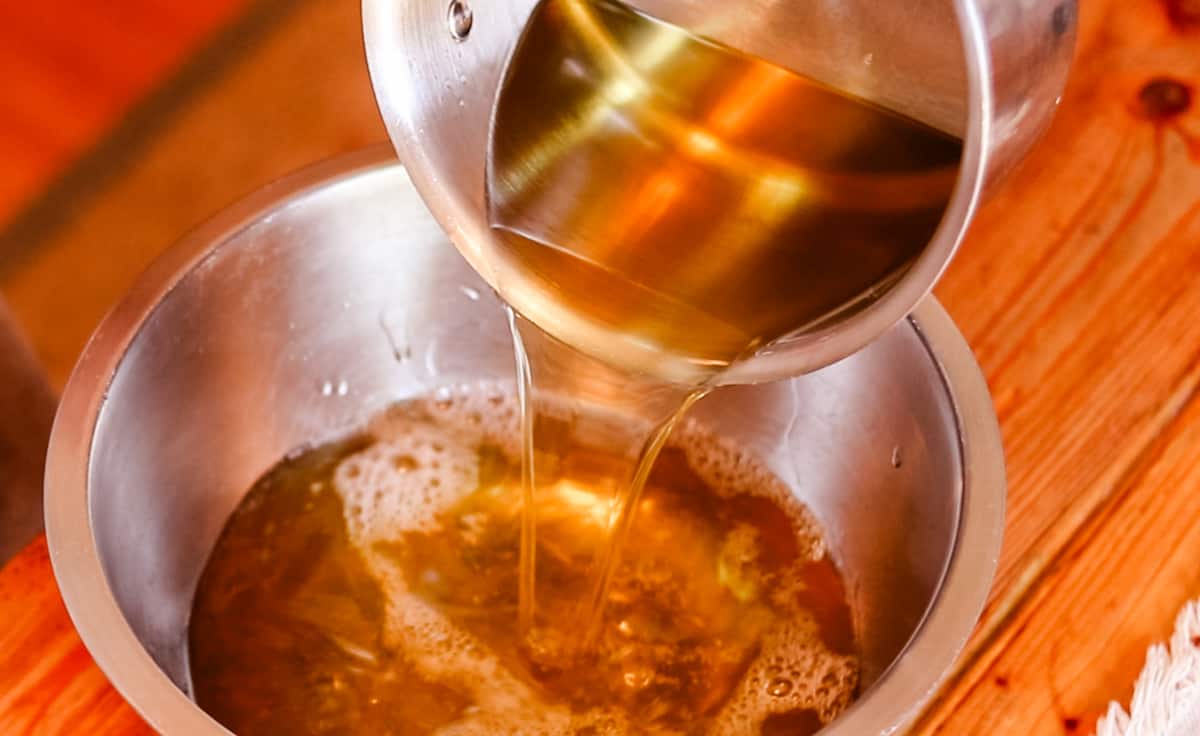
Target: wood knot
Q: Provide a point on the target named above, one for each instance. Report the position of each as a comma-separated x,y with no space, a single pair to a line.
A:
1183,14
1163,98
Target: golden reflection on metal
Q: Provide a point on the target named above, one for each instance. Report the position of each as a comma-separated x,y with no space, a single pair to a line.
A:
652,192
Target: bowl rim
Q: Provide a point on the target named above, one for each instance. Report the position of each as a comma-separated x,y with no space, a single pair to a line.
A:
891,702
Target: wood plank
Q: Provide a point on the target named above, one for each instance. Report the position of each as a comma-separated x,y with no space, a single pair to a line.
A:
1081,639
48,682
1077,288
71,69
304,95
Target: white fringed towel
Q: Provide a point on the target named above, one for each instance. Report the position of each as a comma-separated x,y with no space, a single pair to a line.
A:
1166,699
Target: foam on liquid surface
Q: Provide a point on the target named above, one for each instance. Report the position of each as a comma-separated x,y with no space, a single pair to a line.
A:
423,468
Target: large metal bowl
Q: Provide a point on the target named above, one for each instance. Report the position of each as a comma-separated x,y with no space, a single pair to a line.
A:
309,306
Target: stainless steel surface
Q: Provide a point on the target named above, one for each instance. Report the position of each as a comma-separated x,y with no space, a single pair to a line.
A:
304,309
26,411
989,70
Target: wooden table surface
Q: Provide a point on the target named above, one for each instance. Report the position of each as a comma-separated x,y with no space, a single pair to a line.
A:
71,69
1079,289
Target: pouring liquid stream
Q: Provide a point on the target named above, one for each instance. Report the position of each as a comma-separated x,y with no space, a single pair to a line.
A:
546,371
607,568
679,206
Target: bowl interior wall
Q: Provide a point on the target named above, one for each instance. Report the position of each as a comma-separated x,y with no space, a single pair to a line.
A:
348,297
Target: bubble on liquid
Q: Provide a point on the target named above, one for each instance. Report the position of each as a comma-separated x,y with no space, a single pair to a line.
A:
779,687
732,470
486,412
425,459
391,501
638,677
817,680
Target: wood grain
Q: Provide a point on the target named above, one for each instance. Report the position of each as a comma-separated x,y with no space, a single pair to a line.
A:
1079,291
1079,288
1080,639
70,69
312,64
302,94
48,682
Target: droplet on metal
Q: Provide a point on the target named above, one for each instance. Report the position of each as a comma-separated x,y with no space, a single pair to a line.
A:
460,18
